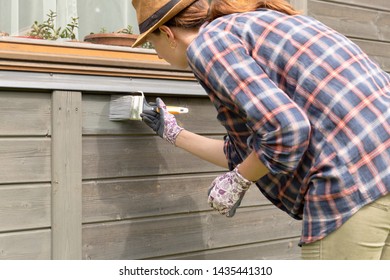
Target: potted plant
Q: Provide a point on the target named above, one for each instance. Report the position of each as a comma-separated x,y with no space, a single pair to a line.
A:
47,30
122,37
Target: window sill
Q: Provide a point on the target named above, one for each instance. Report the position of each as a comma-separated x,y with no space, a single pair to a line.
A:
34,55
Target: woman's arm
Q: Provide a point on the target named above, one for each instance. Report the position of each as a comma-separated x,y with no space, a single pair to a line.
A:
211,150
252,168
205,148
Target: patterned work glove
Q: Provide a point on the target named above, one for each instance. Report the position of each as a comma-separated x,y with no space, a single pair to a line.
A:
227,191
162,122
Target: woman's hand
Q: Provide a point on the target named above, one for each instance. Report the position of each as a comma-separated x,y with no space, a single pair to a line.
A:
162,122
227,191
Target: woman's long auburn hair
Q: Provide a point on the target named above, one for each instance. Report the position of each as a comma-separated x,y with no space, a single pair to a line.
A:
201,11
220,8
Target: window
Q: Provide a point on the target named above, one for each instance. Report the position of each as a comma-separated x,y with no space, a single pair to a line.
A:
17,16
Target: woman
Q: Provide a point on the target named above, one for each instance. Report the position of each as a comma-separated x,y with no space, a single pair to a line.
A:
306,113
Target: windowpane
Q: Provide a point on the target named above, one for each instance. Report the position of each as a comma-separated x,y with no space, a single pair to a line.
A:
17,16
113,15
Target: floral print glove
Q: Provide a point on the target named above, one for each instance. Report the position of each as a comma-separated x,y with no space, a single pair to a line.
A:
227,191
162,122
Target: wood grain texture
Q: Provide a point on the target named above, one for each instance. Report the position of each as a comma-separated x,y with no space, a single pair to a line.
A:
26,245
84,59
161,236
24,113
374,4
352,21
25,207
200,119
66,175
110,200
129,156
25,160
285,249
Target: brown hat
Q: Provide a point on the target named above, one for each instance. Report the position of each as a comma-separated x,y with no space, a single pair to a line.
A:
151,14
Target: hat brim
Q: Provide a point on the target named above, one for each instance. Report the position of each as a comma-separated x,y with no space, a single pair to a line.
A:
169,15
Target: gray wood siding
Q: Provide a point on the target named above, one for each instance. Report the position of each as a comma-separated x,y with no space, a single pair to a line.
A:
179,234
133,195
66,175
25,245
145,199
24,206
25,167
135,187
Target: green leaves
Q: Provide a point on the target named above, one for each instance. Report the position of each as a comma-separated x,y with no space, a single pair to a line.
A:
47,30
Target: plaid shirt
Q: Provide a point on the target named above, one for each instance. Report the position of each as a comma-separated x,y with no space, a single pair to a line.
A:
312,105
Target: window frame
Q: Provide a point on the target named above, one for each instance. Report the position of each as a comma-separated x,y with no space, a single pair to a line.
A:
74,57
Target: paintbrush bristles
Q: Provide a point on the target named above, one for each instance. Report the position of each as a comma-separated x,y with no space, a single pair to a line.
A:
127,107
130,107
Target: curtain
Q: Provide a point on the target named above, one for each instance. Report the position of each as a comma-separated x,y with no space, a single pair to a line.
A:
17,16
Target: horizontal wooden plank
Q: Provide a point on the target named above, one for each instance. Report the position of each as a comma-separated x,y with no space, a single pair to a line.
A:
105,85
124,199
86,59
110,157
24,207
352,21
374,4
26,245
158,237
378,51
61,68
76,53
200,119
285,249
25,160
24,113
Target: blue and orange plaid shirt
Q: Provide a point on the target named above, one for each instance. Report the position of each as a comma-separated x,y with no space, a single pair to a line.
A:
312,105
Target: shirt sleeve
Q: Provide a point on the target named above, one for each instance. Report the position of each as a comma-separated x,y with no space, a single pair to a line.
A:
280,130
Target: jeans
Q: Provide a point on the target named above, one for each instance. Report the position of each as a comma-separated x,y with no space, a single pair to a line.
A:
365,236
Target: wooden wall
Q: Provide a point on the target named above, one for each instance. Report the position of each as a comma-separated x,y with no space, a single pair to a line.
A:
141,197
120,192
25,175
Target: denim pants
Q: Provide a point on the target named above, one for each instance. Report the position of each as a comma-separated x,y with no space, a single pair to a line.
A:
365,236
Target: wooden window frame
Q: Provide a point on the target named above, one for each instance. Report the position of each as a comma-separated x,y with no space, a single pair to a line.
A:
35,55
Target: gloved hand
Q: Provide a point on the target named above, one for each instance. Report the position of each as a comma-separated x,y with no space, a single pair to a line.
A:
162,122
227,191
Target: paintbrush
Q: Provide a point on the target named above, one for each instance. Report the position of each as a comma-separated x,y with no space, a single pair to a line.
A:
130,107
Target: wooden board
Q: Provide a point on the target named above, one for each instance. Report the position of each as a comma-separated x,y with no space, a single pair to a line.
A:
110,200
200,119
24,207
25,245
285,249
352,21
66,175
374,4
24,113
110,157
169,235
25,160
